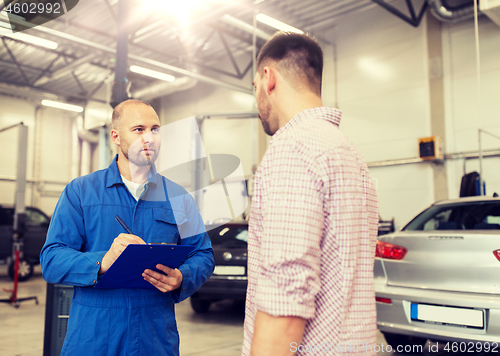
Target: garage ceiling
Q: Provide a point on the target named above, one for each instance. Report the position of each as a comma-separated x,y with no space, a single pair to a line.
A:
84,60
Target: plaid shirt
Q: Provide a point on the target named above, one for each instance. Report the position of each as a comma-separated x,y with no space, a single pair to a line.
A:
312,235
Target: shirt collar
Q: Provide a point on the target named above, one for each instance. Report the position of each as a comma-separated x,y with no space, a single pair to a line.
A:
114,177
321,112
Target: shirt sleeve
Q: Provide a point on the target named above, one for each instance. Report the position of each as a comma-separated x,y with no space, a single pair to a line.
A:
199,265
61,258
293,217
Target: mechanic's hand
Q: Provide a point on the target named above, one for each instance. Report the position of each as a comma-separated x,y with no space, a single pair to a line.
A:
119,244
165,283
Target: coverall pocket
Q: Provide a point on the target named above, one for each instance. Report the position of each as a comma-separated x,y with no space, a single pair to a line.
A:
166,225
78,316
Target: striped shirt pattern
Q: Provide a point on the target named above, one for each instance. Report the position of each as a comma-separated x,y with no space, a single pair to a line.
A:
312,236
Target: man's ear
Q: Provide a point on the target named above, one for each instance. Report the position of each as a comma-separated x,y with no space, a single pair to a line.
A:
115,137
270,82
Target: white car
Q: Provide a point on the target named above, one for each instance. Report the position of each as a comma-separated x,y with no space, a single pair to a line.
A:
438,278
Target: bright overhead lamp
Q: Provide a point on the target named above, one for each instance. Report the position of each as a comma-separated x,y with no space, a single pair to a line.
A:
63,106
277,24
10,15
28,38
152,73
245,27
5,25
181,10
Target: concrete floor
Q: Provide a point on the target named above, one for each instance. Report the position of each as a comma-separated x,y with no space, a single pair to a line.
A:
216,333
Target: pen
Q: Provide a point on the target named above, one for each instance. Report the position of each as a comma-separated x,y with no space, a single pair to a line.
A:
127,229
122,223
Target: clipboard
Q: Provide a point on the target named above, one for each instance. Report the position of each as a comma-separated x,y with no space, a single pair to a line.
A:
126,271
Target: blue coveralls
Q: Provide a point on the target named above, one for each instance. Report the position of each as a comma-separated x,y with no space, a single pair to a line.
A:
82,229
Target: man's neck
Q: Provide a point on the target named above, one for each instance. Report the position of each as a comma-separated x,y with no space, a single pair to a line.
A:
132,172
297,103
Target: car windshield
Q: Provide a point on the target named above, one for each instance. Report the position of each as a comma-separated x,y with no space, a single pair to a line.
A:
6,216
35,217
464,216
32,216
229,236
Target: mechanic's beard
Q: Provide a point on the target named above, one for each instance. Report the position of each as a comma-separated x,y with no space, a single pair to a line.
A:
138,159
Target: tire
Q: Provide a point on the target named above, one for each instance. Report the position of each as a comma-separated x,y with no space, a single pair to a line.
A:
25,270
407,344
200,306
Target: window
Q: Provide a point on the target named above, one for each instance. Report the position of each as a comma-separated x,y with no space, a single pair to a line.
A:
229,236
441,221
32,217
6,216
465,216
35,217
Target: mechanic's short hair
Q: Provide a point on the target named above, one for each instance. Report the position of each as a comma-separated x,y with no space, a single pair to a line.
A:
298,58
118,111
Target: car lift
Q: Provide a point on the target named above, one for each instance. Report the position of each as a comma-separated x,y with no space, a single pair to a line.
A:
18,228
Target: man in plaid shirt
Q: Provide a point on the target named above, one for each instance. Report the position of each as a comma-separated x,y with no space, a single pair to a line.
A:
313,220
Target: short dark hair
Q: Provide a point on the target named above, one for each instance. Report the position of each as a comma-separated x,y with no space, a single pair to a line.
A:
118,111
298,56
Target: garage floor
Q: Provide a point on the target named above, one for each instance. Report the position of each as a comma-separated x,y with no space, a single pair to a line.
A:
217,333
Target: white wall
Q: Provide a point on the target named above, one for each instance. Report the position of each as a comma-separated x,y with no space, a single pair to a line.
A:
12,112
384,96
383,91
463,115
220,135
52,151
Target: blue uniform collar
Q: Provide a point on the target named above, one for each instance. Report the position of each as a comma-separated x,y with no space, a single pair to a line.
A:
114,177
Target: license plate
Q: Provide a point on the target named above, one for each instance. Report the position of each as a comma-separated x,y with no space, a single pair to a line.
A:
229,270
452,316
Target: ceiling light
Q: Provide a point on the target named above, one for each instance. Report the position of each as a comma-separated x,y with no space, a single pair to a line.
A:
277,24
5,25
10,15
28,39
376,69
63,106
148,28
181,10
152,73
245,27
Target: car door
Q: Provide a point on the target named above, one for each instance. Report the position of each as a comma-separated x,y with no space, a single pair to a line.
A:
6,221
37,224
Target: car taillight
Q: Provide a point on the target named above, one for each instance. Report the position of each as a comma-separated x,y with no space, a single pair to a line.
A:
390,251
497,254
383,300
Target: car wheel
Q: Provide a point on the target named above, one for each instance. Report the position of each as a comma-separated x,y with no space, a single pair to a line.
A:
25,270
405,343
200,306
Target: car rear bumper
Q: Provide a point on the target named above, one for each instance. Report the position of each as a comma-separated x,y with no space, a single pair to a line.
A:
395,317
222,288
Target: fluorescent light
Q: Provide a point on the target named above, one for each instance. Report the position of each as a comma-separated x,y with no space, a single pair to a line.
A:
245,27
5,25
148,28
11,16
152,73
63,106
376,69
28,38
277,24
181,10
